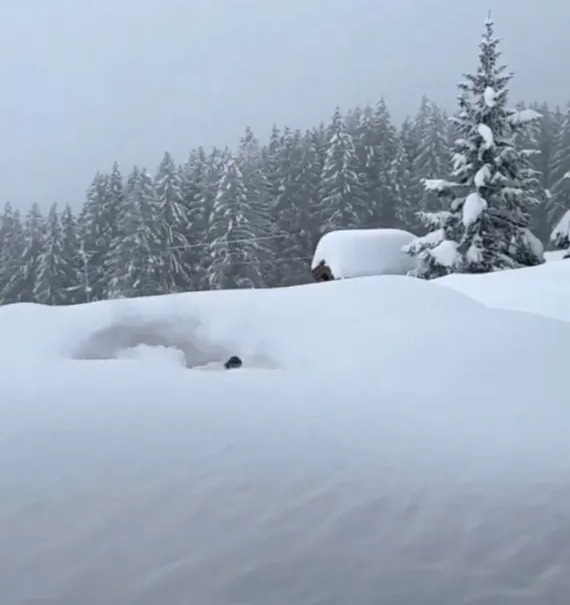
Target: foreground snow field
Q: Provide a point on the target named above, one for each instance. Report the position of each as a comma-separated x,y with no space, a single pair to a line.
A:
388,441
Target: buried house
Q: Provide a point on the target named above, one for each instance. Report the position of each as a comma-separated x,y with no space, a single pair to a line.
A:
362,252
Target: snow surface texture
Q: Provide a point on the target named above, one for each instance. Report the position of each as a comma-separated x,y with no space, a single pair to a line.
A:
404,445
365,252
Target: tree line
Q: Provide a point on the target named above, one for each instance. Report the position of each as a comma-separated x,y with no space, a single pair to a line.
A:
481,189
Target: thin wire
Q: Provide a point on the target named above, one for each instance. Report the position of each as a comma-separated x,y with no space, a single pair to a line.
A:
208,244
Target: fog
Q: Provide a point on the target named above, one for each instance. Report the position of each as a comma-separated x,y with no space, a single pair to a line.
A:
87,83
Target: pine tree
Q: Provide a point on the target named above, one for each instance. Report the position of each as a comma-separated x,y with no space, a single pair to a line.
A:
486,228
95,236
174,227
432,158
537,142
198,187
74,277
293,206
560,175
400,175
342,200
20,286
235,225
50,287
375,144
249,159
12,244
137,258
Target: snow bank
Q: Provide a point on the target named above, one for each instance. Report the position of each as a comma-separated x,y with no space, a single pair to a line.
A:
544,289
364,252
410,445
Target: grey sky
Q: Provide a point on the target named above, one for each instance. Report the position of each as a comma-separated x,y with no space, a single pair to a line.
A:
85,82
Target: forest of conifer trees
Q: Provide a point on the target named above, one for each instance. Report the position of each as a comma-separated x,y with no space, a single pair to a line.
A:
251,217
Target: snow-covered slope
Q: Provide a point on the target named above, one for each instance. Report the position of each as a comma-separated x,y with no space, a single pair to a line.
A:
388,441
544,289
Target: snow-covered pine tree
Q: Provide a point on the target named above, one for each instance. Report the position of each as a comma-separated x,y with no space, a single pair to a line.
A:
74,278
249,159
539,140
375,145
137,259
486,227
272,167
12,244
342,204
401,179
21,283
112,202
432,159
234,226
199,179
174,221
50,282
560,175
560,236
94,235
293,207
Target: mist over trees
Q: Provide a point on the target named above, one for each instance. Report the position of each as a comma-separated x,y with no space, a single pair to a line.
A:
490,182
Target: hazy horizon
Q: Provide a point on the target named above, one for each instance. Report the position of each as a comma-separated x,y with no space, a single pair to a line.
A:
85,85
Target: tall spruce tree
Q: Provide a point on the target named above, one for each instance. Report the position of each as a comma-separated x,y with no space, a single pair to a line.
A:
174,220
20,285
137,258
400,175
198,186
50,286
249,158
235,227
560,176
12,245
486,226
74,277
432,159
95,236
343,204
375,144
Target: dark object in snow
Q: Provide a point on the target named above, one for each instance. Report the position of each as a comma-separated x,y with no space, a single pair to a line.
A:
232,362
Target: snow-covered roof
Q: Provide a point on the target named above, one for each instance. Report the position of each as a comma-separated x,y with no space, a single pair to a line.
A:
361,252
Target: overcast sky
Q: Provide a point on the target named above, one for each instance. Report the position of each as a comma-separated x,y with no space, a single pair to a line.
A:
87,82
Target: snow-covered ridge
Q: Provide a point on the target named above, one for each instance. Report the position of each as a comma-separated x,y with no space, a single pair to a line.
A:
406,444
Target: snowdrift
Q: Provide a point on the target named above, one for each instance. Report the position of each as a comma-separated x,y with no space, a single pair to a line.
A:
544,289
388,441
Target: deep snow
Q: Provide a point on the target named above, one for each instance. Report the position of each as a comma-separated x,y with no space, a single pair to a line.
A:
388,441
